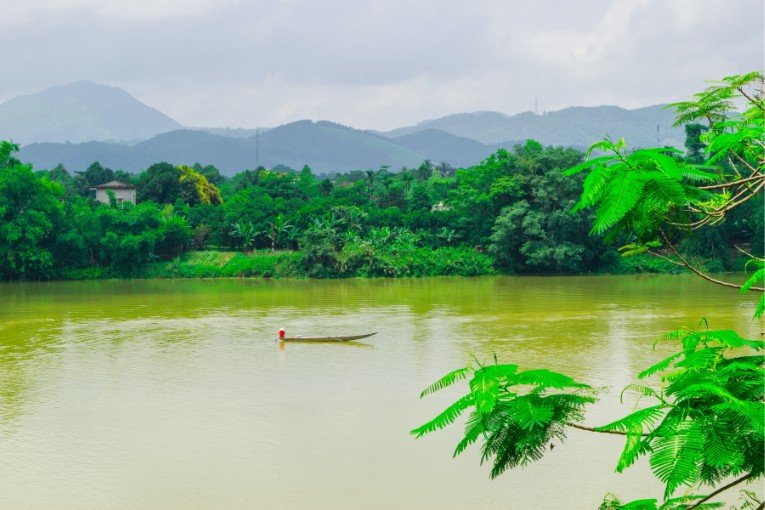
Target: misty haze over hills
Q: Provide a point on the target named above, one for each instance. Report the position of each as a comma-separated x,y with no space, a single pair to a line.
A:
108,125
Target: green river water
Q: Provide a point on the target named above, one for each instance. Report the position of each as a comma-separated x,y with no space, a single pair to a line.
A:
173,395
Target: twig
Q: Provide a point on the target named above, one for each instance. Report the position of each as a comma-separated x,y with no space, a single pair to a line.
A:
693,268
721,489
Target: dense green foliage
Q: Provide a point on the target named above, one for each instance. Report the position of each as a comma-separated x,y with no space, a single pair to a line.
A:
705,422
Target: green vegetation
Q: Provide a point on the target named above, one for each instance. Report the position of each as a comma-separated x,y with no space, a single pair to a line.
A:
515,212
704,422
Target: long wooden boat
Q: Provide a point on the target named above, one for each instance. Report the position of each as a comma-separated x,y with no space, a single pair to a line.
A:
339,338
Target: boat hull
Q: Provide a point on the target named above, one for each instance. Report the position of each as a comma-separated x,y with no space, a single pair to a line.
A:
326,339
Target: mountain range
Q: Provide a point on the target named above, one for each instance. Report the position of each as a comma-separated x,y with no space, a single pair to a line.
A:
83,122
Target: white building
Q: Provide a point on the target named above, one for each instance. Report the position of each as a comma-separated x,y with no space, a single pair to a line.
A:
122,192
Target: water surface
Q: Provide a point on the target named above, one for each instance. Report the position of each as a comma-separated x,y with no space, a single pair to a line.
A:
173,395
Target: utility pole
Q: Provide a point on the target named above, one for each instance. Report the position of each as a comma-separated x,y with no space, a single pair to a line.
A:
257,148
658,138
536,106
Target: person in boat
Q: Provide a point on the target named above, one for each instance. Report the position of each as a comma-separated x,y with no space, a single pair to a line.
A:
281,333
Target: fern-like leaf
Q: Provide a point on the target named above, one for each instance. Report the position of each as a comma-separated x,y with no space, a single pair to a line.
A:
529,414
660,366
643,417
447,417
676,457
447,380
623,194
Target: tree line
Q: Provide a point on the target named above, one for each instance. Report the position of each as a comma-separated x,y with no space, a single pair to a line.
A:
512,213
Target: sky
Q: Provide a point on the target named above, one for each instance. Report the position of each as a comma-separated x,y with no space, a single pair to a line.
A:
377,64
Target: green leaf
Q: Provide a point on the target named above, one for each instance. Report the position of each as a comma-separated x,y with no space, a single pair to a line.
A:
633,447
676,458
446,417
622,195
547,379
642,417
639,504
485,390
594,162
644,391
660,366
473,430
529,414
447,380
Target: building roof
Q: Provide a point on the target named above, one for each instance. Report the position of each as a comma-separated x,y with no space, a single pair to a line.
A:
114,185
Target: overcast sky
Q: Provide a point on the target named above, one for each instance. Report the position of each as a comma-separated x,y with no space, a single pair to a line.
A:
377,64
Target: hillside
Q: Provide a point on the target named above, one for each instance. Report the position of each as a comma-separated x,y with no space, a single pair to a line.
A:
324,146
80,112
83,122
437,146
577,126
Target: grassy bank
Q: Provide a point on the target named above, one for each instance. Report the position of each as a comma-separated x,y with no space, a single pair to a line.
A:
356,262
348,263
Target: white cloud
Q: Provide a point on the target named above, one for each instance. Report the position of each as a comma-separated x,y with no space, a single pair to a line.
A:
576,48
374,63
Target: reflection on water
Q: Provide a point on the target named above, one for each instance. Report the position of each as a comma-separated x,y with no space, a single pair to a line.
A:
172,394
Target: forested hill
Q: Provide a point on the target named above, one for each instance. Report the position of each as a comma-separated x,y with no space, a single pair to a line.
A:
79,112
577,126
324,146
83,122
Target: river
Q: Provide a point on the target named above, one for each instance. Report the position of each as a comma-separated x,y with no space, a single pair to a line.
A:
173,395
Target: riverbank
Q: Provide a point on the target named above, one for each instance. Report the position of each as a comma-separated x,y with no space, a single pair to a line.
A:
419,262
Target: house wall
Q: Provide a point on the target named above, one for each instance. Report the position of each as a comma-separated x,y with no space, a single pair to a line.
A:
123,195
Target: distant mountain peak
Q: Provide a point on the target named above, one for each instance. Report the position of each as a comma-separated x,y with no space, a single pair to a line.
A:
80,111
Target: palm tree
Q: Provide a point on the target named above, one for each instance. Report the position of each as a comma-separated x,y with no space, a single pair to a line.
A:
246,232
277,229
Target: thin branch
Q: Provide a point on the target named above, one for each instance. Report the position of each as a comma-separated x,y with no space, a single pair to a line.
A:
721,489
752,100
745,163
744,252
695,270
731,205
734,183
655,254
733,166
590,429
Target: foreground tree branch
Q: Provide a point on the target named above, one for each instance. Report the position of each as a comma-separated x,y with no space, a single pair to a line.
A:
721,490
697,271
